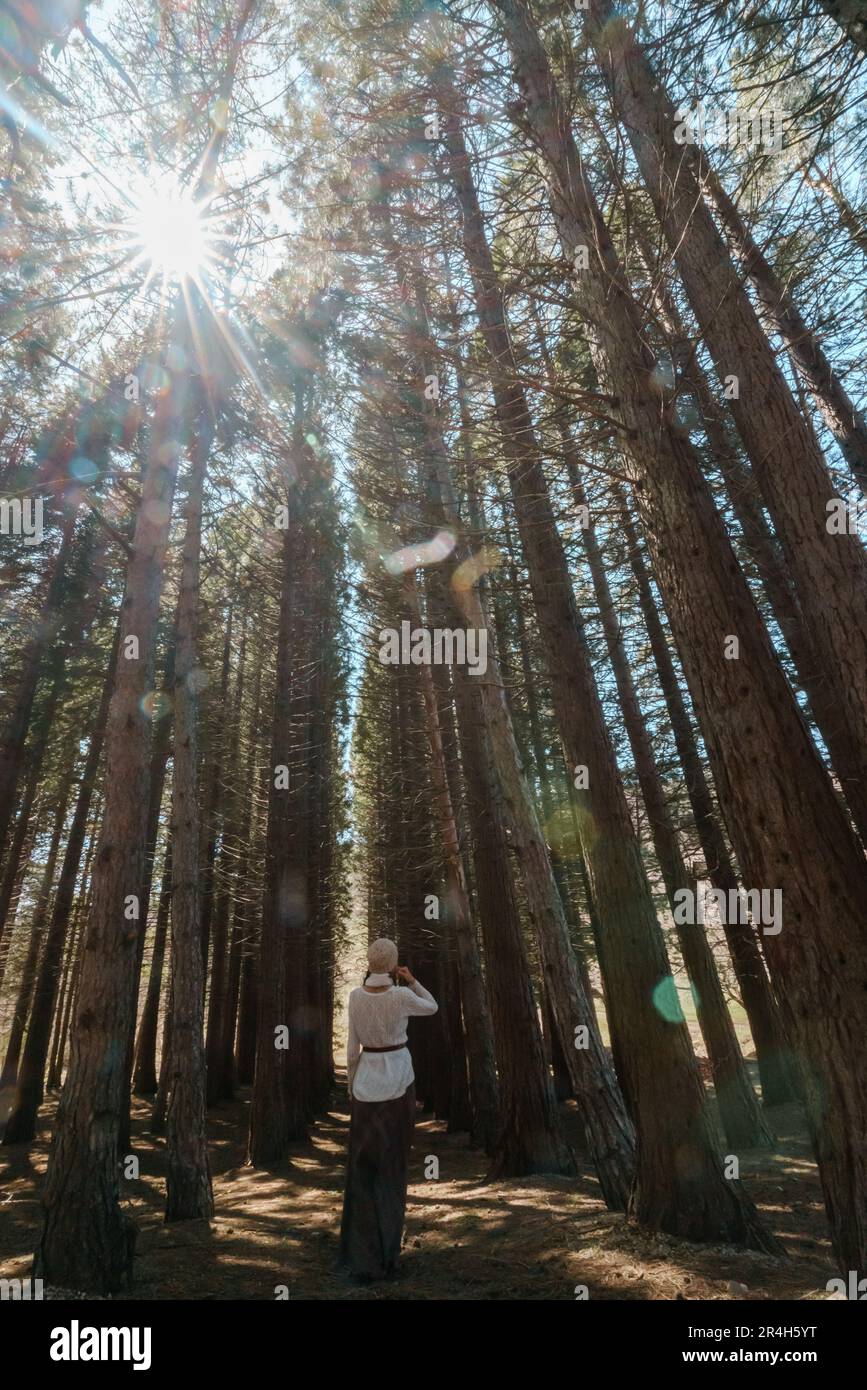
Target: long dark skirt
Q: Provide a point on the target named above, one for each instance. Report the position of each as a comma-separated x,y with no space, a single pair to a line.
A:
374,1204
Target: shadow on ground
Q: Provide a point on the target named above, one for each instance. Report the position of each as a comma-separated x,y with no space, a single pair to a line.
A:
276,1230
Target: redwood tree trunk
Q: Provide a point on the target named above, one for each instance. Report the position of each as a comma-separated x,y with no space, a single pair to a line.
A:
278,1111
829,571
700,1204
607,1125
239,907
742,1120
772,1056
145,1073
846,423
786,824
220,965
9,1075
87,1241
21,1125
529,1139
763,551
22,837
188,1179
480,1043
17,716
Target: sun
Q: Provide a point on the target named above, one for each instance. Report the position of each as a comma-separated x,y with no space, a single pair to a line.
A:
171,232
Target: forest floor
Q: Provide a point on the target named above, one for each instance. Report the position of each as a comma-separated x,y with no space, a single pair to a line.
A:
523,1239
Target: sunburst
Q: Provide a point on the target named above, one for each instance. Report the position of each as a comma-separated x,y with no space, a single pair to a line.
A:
170,232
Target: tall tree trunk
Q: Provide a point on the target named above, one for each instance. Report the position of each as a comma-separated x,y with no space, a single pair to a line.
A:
218,1000
21,1125
529,1140
240,925
741,1117
829,571
461,1116
87,1241
480,1043
318,772
80,916
756,994
22,836
301,953
248,1010
188,1179
160,747
212,809
17,717
846,423
64,998
161,1099
699,1203
608,1127
537,744
144,1080
784,819
9,1075
278,1112
764,552
849,217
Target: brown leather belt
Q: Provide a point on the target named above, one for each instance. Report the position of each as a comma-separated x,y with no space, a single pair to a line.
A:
397,1047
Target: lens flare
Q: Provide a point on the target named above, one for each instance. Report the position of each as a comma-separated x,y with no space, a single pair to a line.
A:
666,1000
169,231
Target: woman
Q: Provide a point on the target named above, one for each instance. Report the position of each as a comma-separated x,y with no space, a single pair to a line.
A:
382,1113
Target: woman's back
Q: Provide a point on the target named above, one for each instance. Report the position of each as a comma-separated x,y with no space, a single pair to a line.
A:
377,1018
383,1012
382,1091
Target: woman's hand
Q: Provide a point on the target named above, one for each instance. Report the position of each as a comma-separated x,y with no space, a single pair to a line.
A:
404,973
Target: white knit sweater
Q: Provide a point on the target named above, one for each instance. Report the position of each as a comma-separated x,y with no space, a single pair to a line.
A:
379,1020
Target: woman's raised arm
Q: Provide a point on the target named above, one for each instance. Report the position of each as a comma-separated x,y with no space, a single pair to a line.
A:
417,1000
